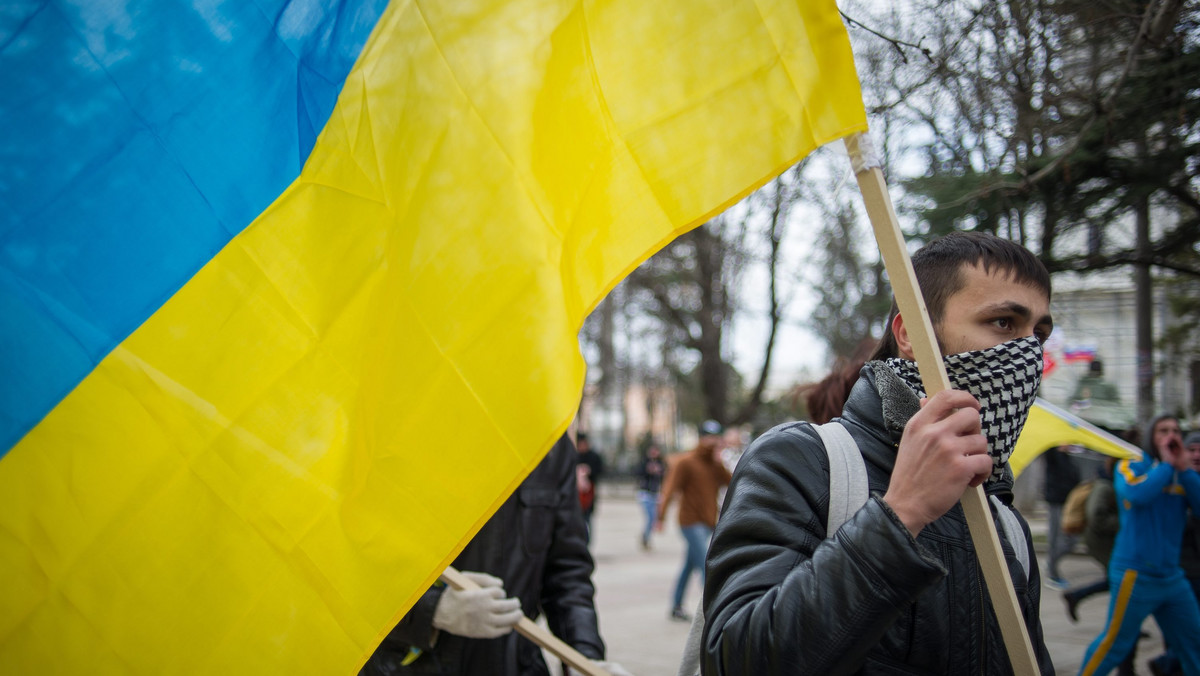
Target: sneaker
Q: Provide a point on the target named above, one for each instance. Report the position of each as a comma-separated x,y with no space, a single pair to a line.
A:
1072,602
1056,583
678,614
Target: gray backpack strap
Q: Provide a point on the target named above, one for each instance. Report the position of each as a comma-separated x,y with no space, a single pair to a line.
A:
1013,532
690,664
848,490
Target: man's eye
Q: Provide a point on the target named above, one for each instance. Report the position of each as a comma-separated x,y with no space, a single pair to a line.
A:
1003,323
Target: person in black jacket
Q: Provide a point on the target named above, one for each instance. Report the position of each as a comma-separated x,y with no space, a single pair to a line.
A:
650,478
1061,476
898,588
590,469
530,558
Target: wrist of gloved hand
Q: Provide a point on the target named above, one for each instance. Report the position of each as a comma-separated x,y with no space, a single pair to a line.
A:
477,613
612,668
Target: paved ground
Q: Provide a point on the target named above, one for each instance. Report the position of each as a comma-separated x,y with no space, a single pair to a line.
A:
633,593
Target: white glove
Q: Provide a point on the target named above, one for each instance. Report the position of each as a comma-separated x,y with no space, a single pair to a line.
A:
613,668
477,613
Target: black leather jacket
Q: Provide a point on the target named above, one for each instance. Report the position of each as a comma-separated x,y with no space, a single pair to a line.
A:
782,599
536,543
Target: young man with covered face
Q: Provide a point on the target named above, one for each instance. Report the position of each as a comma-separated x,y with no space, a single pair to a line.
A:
898,588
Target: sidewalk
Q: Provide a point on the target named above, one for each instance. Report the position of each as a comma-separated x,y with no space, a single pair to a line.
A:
634,587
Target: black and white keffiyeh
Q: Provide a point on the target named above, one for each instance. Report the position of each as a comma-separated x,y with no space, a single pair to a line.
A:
1005,380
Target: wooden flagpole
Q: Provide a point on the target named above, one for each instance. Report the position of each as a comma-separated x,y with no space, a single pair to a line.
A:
533,632
933,375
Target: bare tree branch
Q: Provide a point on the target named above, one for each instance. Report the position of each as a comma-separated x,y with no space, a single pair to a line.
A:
1102,110
898,44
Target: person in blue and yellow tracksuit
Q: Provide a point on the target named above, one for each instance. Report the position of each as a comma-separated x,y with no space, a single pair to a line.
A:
1153,495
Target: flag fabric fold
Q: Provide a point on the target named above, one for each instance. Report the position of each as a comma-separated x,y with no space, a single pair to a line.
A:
275,450
1049,426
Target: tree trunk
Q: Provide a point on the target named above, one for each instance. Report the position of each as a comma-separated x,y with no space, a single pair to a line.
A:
1143,295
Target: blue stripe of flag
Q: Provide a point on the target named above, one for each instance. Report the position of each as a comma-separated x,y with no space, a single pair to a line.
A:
136,139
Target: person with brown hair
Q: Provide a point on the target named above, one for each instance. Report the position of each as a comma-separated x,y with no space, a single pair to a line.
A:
824,400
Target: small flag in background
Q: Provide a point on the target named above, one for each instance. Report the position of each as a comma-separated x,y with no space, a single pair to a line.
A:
292,292
1079,353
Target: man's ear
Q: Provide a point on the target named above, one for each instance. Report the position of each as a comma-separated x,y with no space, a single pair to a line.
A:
900,333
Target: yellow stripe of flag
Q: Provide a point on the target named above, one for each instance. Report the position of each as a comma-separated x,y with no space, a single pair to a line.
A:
277,463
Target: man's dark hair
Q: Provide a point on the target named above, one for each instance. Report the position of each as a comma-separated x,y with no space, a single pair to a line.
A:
939,265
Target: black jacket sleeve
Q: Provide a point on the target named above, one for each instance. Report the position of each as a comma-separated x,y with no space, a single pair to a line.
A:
567,590
782,599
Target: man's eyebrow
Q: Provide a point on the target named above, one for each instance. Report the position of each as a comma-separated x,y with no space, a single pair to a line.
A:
1008,307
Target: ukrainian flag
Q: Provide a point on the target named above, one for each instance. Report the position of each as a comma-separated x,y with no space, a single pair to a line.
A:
289,291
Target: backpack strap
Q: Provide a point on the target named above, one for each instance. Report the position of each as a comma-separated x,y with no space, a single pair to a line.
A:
689,664
1012,531
847,493
848,490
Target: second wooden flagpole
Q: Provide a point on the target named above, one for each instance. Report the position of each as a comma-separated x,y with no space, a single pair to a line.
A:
933,375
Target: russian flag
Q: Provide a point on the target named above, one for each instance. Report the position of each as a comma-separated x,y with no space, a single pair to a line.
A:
1079,353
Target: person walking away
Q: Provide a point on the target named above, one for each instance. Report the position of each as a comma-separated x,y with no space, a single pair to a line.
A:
1153,496
897,587
530,558
589,469
650,479
695,477
1167,664
1061,476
